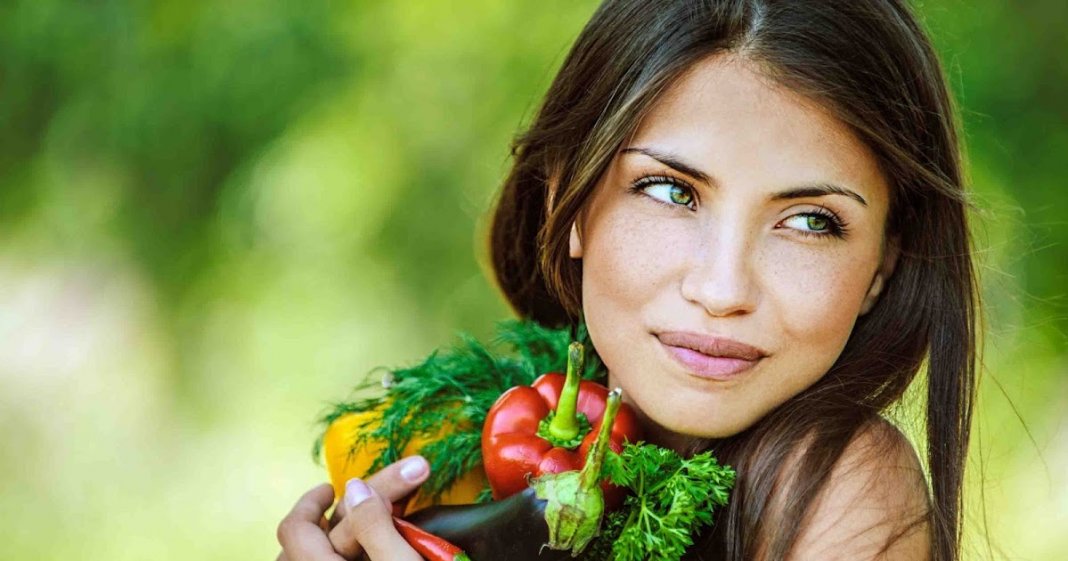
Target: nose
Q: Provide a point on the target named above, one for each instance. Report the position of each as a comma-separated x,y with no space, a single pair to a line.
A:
720,276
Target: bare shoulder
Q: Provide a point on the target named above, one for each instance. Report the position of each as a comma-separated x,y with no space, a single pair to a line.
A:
874,504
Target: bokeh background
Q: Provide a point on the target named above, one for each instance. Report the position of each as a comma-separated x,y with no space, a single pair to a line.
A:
215,217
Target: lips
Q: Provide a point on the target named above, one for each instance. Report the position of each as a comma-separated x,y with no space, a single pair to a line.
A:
710,357
711,346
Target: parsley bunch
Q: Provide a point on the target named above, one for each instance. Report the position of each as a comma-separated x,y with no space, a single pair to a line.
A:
672,499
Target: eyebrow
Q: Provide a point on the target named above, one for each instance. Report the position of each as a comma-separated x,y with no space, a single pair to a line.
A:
798,192
670,161
817,190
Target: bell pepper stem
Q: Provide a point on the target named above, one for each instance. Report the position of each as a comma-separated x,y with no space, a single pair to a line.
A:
591,470
574,499
565,424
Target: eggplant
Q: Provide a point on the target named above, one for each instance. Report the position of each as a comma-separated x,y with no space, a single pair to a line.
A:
512,529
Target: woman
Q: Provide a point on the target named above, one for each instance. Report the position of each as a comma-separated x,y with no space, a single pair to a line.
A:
757,207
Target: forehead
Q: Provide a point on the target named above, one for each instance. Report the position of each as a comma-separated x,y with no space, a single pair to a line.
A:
739,127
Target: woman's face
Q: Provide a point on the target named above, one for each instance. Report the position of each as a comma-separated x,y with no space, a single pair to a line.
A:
738,211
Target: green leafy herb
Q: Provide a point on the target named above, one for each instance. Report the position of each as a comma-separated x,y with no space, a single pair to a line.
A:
545,349
456,386
672,499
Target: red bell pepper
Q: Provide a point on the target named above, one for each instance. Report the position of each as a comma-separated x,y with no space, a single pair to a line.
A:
548,427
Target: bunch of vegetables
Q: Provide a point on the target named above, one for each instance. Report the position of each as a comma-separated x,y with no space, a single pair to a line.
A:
528,466
559,510
549,427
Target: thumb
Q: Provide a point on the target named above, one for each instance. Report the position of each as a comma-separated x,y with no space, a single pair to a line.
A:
395,483
368,527
389,485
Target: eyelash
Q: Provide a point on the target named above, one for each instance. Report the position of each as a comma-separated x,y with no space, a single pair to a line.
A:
838,227
639,185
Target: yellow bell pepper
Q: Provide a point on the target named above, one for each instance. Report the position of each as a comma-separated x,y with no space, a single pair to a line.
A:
342,466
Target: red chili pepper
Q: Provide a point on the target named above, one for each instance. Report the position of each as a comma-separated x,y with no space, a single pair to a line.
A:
548,427
431,547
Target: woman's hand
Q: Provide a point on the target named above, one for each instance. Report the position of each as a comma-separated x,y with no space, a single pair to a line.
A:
362,521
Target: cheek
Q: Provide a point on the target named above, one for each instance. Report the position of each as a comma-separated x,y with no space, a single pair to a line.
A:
627,260
628,266
814,300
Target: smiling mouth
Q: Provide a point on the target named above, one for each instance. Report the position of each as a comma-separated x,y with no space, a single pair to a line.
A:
709,366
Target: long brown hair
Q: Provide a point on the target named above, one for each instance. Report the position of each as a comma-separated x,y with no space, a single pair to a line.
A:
870,63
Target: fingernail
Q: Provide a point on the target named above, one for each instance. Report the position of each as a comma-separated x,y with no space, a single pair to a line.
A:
413,469
356,492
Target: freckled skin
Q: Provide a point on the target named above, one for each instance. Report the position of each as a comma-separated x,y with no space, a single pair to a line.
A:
737,265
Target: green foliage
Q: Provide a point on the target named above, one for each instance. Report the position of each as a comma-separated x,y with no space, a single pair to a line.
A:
171,101
672,499
545,348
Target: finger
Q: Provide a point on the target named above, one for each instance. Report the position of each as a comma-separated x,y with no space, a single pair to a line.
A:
369,526
343,535
395,482
299,533
399,479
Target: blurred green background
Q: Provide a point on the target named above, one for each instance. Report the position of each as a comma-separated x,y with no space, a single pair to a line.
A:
216,216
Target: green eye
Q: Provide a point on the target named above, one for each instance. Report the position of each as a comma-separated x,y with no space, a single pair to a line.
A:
817,223
680,196
670,193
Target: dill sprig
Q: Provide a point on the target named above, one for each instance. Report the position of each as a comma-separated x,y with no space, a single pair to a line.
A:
456,386
545,348
672,499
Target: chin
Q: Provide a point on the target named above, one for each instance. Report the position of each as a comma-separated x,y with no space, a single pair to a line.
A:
673,418
707,430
